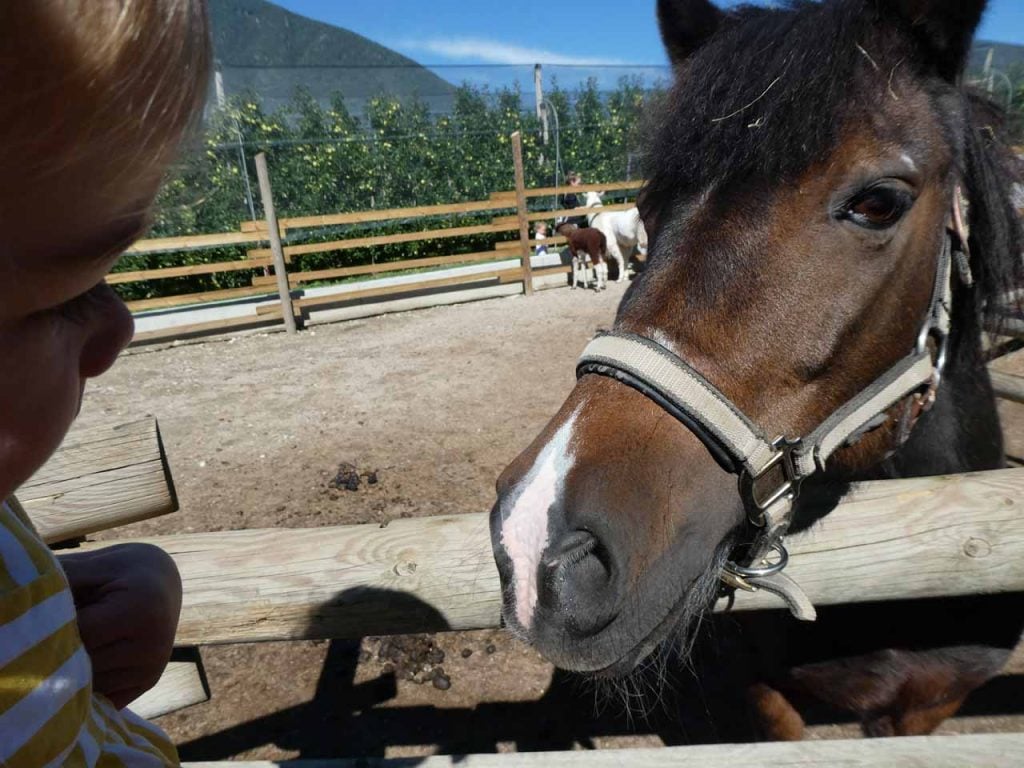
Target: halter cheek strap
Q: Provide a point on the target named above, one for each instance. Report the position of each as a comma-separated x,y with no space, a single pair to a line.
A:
772,470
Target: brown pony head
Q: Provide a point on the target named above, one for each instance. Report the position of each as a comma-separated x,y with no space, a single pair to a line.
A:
801,177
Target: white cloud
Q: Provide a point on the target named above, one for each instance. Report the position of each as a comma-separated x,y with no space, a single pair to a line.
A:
481,50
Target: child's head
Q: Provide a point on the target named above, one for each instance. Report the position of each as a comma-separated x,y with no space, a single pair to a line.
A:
96,97
541,228
574,178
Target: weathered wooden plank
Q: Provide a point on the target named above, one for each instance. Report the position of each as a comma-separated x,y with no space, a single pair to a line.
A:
182,684
888,540
212,268
101,477
1007,326
390,290
193,242
389,214
1008,386
167,302
297,278
517,276
511,245
210,327
996,750
403,237
612,186
581,211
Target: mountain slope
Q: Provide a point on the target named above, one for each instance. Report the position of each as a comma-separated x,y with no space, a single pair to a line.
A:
1004,57
271,50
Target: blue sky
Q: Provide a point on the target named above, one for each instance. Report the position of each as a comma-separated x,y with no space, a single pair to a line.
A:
616,31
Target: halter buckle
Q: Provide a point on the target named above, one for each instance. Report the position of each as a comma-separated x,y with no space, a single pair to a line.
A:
755,498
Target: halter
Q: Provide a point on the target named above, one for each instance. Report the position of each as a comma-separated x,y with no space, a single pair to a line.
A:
771,471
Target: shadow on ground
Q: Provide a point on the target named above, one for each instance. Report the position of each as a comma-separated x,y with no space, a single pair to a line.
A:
345,719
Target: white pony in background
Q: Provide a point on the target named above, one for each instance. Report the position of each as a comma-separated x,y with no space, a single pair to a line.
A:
624,230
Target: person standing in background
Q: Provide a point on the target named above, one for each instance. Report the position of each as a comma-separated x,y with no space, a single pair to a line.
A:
565,225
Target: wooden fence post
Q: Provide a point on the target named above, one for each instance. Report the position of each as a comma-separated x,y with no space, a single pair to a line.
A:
524,222
274,233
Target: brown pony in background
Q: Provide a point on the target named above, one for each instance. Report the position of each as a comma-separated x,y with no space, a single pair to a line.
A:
588,243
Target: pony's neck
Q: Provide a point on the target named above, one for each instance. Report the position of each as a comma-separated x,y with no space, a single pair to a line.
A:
961,433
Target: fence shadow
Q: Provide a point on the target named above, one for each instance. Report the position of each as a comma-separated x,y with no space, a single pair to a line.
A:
344,718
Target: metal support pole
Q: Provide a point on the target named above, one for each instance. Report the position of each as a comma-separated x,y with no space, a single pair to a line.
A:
274,234
538,86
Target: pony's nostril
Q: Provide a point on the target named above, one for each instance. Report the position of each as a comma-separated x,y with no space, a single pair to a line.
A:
579,582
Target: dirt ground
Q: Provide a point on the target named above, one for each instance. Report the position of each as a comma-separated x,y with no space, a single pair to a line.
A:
435,403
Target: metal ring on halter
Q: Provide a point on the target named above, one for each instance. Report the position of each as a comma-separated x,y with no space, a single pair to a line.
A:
770,569
942,351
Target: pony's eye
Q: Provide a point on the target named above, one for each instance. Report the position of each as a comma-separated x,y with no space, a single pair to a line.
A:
878,207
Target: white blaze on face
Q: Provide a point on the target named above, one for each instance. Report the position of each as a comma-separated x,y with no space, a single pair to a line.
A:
909,162
524,533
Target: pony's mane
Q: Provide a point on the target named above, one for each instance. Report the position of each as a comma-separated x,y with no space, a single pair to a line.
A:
990,169
743,102
766,98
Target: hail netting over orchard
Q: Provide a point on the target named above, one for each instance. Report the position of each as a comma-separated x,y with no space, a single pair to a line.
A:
396,151
348,125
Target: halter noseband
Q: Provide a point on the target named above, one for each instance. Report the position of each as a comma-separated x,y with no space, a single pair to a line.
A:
771,471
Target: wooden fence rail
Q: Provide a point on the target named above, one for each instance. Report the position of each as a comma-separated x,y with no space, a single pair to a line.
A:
297,278
101,477
193,242
402,237
259,258
513,274
190,270
993,750
366,217
895,539
614,186
1008,386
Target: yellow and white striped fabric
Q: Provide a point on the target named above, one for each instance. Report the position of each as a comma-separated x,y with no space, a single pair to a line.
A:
49,715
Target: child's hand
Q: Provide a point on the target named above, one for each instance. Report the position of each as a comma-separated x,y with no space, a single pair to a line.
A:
128,599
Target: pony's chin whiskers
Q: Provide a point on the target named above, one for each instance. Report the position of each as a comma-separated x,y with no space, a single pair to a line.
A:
645,689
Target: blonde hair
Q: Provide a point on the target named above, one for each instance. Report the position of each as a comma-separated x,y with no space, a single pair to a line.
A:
98,91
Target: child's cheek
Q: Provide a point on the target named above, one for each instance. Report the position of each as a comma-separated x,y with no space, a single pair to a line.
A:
40,392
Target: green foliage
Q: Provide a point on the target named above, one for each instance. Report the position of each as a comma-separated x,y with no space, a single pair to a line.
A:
326,160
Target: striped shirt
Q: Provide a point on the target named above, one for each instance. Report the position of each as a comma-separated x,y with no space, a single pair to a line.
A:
49,714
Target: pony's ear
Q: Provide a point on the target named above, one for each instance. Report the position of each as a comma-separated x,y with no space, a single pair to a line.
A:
946,27
686,25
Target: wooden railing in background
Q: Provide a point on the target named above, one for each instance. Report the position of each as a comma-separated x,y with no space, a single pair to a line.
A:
260,257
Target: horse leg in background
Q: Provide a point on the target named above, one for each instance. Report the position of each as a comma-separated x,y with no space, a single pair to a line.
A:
601,246
585,264
601,271
778,718
616,253
578,264
891,692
